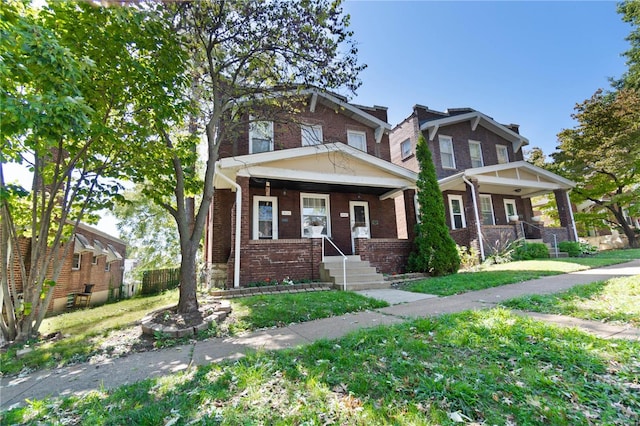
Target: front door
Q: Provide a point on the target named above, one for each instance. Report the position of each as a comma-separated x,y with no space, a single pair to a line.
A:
359,219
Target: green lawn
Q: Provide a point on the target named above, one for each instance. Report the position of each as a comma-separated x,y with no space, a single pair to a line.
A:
488,367
615,300
514,272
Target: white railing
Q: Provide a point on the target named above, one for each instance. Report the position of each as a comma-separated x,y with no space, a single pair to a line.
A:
344,260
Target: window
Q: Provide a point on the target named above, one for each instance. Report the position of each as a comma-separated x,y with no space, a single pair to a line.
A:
486,210
475,150
405,149
315,212
457,212
265,218
260,136
510,209
94,260
503,154
311,134
357,140
75,263
446,152
107,266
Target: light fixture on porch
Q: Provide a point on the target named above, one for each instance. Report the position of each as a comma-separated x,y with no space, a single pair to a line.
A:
518,190
267,189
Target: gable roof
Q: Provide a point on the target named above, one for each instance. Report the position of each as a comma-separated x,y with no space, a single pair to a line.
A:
475,118
332,163
518,178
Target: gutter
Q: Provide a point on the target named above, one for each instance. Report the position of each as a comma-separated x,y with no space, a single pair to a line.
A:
236,260
475,211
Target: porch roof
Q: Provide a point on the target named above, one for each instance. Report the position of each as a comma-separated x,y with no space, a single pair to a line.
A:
518,178
334,164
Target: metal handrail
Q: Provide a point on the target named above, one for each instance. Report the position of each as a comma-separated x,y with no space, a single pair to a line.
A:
344,260
555,239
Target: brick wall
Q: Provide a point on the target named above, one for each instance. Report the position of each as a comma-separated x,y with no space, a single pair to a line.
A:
388,256
460,236
495,236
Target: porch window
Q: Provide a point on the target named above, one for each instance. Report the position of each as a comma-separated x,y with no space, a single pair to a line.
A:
510,209
457,212
357,140
503,154
75,263
265,218
315,212
260,136
405,149
486,210
475,150
446,152
311,134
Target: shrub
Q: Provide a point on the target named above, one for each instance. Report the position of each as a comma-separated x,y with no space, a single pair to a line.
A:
469,257
587,248
570,247
529,251
500,250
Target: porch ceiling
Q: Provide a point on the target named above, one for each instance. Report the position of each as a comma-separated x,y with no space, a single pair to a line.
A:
518,179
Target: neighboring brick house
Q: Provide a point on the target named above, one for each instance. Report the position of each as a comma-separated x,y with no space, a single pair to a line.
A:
486,184
328,171
97,258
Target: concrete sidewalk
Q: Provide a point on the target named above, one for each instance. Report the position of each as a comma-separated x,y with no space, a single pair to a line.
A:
82,378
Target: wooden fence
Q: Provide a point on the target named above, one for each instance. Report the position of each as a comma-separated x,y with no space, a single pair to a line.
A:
159,280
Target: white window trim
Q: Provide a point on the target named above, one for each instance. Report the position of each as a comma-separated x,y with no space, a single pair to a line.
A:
256,216
94,260
308,133
506,153
449,140
251,124
493,215
402,152
462,215
326,197
107,266
508,201
359,133
472,142
73,267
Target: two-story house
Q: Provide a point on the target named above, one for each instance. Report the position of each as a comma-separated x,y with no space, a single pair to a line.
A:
289,193
486,184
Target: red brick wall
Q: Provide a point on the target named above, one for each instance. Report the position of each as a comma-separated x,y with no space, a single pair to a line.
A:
388,256
408,129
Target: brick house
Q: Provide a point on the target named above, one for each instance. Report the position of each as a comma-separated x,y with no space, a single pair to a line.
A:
486,184
290,196
97,259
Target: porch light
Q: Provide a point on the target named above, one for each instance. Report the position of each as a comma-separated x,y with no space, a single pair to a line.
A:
518,190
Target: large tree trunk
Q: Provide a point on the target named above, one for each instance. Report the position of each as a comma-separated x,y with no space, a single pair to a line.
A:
628,231
188,278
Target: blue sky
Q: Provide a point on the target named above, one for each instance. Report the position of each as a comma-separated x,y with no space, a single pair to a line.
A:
519,62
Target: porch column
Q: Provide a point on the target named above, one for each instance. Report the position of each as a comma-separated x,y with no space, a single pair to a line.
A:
472,215
410,213
565,212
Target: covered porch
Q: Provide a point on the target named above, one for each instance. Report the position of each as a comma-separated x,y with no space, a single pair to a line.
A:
273,213
487,204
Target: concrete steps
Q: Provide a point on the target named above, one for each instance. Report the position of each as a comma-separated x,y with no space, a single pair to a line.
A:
552,252
360,274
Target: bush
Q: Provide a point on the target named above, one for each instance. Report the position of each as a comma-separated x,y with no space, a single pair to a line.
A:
501,250
529,251
469,257
570,247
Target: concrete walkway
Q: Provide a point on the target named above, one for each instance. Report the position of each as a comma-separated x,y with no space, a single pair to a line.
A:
82,378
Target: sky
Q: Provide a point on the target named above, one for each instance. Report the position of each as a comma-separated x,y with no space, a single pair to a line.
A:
518,62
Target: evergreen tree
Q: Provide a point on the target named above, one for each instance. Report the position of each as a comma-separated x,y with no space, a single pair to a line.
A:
435,251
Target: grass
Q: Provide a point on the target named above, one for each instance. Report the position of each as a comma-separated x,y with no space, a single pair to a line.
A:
488,367
615,300
514,272
86,330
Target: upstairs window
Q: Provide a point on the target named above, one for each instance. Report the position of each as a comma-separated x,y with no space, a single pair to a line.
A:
405,149
503,154
260,136
475,150
357,140
311,134
75,263
446,152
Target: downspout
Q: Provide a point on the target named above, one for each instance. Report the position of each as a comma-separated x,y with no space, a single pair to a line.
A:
573,222
475,211
236,259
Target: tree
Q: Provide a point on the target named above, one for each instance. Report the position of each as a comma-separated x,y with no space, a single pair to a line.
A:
536,157
630,11
435,251
243,56
78,83
602,155
149,230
